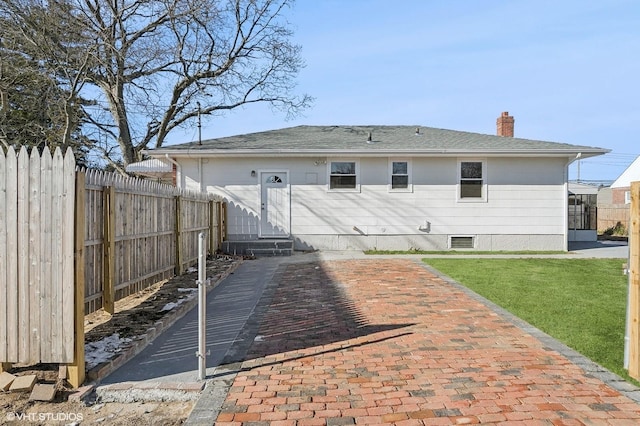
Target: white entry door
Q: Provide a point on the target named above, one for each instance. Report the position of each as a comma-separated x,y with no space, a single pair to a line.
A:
275,216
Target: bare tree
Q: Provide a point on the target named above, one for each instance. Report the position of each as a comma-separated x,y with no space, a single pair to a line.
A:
148,64
39,96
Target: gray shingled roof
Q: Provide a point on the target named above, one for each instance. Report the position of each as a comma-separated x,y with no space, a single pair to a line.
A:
384,139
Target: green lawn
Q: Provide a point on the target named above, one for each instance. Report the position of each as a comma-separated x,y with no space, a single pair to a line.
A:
463,252
581,302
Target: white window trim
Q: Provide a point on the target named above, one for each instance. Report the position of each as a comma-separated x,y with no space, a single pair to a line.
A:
484,197
627,197
409,187
343,160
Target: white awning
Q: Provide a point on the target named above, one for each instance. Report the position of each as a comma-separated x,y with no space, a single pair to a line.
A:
150,167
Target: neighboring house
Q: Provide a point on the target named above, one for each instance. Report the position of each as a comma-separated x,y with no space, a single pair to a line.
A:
613,202
387,187
621,187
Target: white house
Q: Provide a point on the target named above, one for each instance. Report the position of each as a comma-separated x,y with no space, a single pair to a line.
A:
386,187
613,201
621,187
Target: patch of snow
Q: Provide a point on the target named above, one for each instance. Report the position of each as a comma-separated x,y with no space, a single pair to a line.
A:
169,306
192,269
103,350
187,290
172,305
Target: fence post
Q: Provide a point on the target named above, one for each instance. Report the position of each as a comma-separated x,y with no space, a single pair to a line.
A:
634,282
213,232
179,252
76,370
202,308
108,289
223,221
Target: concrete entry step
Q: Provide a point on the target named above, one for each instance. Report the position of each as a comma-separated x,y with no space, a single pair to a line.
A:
259,248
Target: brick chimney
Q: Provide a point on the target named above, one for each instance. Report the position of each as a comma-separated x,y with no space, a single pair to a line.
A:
505,125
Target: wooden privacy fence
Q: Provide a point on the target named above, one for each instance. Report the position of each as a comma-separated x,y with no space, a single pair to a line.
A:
139,232
609,215
75,241
634,283
37,256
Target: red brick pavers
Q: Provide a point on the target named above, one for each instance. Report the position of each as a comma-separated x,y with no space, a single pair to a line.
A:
388,342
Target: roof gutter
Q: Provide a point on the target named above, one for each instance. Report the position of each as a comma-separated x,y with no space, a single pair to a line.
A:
201,153
566,199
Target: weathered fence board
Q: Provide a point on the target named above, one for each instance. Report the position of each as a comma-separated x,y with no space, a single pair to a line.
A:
11,261
35,238
24,293
76,370
4,258
151,234
35,272
68,254
133,234
46,247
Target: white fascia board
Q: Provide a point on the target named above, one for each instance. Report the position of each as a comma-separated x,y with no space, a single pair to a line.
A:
203,153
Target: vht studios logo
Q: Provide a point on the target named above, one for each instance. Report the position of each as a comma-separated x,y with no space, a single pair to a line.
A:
45,417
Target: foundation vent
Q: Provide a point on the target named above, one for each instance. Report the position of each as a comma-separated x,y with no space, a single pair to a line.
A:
461,242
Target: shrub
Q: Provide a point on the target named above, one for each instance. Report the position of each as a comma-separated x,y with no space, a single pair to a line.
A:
619,230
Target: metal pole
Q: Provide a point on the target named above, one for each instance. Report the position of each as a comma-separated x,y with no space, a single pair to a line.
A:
202,309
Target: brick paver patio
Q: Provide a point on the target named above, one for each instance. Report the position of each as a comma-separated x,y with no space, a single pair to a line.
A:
388,342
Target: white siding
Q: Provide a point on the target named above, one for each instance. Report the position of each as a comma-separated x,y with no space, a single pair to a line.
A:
524,197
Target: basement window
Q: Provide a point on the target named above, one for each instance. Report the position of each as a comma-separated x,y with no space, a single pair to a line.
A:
461,242
343,175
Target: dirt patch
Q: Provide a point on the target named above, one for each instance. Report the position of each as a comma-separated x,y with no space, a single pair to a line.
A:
133,316
22,412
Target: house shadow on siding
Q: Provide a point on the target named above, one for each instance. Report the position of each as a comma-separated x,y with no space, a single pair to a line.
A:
243,224
305,312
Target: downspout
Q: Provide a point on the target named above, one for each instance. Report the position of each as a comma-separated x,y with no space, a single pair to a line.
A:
566,200
178,171
201,172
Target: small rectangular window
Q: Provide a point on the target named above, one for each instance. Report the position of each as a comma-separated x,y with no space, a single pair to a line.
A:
400,175
472,184
343,175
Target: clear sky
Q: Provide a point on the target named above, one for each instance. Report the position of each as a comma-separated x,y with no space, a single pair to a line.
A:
567,70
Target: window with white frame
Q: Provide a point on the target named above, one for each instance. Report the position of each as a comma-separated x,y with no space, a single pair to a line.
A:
399,175
343,175
472,180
